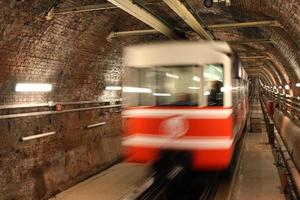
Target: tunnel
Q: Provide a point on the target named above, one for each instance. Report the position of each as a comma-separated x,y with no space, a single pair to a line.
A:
63,67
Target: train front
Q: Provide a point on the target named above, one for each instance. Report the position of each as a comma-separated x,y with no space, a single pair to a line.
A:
175,101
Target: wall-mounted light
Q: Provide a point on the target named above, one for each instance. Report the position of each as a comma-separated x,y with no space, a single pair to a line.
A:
280,87
136,90
113,88
227,2
287,87
33,87
297,84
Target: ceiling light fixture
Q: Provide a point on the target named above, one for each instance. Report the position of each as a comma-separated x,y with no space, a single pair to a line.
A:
287,87
208,3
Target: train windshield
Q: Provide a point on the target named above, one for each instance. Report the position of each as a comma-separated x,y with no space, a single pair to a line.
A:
192,85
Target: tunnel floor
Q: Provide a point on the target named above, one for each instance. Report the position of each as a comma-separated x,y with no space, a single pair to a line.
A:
257,176
112,184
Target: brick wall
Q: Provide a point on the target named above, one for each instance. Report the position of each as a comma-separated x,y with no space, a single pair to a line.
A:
39,168
72,53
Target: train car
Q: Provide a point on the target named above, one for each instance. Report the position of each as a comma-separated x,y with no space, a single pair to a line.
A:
183,97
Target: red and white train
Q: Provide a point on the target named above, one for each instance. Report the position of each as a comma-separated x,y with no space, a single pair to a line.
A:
183,97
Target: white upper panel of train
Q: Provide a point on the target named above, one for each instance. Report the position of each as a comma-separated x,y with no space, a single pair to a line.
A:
175,53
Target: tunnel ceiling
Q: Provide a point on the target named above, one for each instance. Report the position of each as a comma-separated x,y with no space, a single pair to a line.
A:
72,51
279,60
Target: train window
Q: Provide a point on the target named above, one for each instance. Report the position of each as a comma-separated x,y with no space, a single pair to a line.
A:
177,85
190,85
213,80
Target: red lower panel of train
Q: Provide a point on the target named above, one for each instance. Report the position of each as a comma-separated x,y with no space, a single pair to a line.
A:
207,134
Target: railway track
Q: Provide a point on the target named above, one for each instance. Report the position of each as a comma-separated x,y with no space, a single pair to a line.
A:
180,183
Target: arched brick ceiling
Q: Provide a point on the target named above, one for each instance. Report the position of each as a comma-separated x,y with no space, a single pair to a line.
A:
71,51
285,52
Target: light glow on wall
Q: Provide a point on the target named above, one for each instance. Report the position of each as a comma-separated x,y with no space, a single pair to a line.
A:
33,87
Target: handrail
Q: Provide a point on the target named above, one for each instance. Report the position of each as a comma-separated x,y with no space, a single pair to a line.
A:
290,103
30,114
50,104
289,163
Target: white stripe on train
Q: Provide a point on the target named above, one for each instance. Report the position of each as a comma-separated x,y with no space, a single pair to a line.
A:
188,143
189,113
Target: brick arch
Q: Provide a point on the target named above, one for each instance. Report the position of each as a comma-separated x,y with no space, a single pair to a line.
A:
285,54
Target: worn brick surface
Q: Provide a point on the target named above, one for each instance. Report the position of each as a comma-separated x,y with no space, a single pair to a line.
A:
285,52
72,53
39,168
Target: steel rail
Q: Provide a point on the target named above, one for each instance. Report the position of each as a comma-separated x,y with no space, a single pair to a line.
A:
211,189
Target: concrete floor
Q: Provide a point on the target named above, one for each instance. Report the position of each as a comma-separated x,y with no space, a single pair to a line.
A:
258,177
112,184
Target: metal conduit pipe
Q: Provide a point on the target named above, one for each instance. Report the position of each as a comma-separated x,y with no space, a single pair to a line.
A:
145,16
181,10
49,104
11,116
131,33
250,41
41,135
273,23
